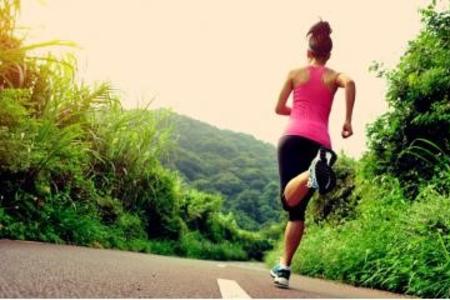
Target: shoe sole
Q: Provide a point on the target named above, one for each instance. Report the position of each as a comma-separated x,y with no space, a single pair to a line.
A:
281,285
279,281
326,179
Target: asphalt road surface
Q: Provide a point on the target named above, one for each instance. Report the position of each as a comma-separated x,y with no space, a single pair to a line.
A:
40,270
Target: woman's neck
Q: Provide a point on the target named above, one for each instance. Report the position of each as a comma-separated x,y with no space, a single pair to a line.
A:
317,62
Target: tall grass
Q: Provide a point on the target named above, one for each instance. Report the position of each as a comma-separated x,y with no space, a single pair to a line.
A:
79,169
75,167
391,244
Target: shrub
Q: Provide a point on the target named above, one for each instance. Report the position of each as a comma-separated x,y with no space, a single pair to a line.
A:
77,168
391,244
338,205
418,96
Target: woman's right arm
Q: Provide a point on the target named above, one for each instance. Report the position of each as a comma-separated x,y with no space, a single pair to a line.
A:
282,108
346,82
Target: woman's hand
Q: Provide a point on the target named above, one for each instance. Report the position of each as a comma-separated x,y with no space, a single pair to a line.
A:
347,130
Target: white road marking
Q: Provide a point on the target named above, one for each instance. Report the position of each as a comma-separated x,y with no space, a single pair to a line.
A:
230,289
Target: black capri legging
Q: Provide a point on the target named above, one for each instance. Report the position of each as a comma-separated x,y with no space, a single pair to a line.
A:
295,154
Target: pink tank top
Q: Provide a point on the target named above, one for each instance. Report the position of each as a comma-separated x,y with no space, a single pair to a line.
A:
311,109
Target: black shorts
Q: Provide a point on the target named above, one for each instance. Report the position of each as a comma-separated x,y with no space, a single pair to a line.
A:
295,154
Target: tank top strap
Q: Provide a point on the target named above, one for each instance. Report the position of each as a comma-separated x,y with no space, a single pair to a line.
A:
316,71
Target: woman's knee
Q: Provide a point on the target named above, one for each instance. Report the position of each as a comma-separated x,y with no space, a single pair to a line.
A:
291,201
287,204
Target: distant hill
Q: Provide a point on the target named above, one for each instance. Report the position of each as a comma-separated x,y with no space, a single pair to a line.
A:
236,165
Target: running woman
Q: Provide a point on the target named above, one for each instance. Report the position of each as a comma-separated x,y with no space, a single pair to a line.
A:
305,157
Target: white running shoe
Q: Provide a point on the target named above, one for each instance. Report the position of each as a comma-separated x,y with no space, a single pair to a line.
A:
321,175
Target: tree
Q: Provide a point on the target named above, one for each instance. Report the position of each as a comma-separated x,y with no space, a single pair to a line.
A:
405,140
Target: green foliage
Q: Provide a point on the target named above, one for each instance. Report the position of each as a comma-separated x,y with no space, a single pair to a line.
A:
126,166
418,96
194,244
98,181
209,226
235,165
17,68
339,205
198,209
391,245
77,168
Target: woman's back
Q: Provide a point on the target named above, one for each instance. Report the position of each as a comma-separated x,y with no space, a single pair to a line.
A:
314,88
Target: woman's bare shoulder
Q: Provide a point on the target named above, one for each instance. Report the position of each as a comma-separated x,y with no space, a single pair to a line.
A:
299,75
331,71
298,71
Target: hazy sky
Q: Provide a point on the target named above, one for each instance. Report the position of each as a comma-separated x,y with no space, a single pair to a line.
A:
224,61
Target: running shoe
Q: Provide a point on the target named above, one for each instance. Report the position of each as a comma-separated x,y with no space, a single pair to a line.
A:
321,175
280,276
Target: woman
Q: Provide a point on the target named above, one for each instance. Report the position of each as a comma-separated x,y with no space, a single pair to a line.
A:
305,157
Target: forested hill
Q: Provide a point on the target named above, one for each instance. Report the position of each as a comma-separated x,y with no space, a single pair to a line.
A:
236,165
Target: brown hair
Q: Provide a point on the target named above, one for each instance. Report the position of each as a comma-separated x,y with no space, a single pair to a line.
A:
320,43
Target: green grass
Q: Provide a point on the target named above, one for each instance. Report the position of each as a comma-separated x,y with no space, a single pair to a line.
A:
391,244
77,168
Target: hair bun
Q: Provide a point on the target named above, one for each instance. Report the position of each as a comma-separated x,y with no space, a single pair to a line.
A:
320,43
321,28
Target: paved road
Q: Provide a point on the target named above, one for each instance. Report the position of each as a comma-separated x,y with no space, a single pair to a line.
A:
32,269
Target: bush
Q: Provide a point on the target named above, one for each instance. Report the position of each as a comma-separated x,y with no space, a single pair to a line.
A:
76,168
418,96
391,244
193,244
338,205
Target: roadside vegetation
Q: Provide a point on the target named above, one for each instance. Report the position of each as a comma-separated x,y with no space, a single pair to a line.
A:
77,168
235,165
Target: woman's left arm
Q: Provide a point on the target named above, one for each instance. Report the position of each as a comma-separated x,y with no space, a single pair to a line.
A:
282,108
